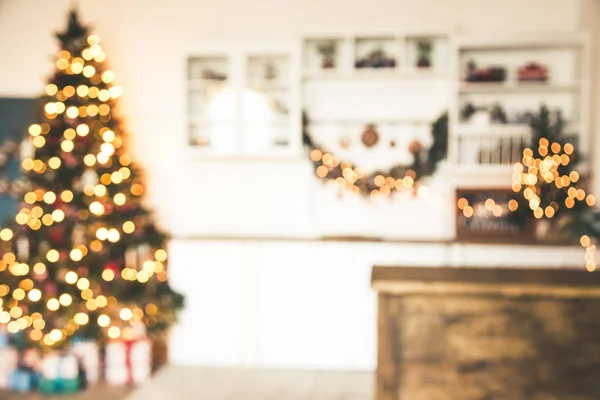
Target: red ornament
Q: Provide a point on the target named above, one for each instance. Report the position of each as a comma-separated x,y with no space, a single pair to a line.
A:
57,234
113,266
50,288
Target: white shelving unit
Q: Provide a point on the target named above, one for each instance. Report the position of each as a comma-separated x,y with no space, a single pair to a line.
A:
566,58
373,78
250,109
400,60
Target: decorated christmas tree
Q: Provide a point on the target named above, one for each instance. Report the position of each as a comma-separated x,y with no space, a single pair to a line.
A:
549,185
84,257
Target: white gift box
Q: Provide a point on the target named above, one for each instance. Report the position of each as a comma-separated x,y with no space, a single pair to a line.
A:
56,366
89,356
128,362
9,359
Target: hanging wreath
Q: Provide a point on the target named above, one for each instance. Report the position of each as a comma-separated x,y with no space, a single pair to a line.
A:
399,177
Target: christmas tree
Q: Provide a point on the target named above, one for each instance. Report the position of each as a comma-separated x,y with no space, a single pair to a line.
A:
84,257
549,184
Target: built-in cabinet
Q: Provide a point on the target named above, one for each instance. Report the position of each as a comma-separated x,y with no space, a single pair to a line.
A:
249,102
501,81
242,103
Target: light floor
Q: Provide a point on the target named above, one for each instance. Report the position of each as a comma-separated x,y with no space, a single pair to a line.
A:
194,383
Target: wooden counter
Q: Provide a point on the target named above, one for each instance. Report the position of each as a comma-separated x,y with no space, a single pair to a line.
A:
478,333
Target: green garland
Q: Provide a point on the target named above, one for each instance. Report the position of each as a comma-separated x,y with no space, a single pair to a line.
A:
400,176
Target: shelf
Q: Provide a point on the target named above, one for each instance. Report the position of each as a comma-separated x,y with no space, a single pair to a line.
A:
269,87
465,129
520,43
493,130
377,74
195,84
515,87
365,121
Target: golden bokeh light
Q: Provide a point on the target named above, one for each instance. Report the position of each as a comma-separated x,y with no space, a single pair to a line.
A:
103,320
65,300
34,295
119,199
128,227
39,269
96,208
125,314
52,255
71,277
114,332
81,318
83,284
53,304
160,255
102,233
108,275
113,235
6,234
54,163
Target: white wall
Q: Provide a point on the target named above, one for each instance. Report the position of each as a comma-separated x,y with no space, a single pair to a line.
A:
295,304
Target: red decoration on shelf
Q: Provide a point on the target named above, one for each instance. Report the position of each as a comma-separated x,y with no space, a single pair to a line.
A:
532,72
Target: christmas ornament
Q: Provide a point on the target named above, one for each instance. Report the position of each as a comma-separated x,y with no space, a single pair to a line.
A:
370,137
415,147
131,258
89,178
27,149
78,235
345,142
23,248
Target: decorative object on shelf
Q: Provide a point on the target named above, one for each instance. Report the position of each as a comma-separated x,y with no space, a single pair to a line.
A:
345,142
328,51
498,115
376,59
489,74
370,136
425,49
415,147
481,118
397,178
467,112
483,115
270,71
532,72
213,75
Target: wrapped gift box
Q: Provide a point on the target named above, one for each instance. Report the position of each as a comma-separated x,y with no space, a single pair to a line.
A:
24,380
88,354
4,338
60,374
9,361
128,361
